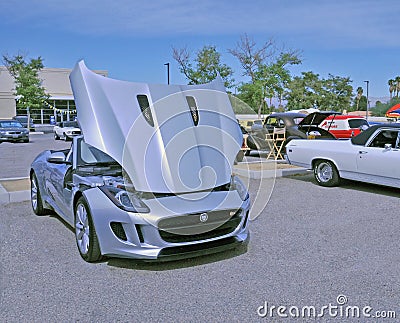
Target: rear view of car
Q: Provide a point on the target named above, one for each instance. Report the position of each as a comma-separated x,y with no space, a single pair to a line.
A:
343,126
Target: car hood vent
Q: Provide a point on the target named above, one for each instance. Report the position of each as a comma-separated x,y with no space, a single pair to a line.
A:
166,142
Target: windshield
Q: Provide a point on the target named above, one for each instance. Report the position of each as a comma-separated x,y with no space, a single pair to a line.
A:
10,124
297,120
72,124
88,155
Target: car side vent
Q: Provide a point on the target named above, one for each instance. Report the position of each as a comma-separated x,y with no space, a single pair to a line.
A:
118,230
145,108
193,109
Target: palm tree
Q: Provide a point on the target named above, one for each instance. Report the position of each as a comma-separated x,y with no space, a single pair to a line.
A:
360,92
397,80
392,87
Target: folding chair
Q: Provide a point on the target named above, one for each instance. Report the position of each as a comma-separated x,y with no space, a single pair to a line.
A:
269,140
278,141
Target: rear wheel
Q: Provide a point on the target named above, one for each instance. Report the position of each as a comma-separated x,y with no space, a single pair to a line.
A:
85,232
326,174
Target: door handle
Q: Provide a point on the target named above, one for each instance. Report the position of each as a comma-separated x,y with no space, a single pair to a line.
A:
361,152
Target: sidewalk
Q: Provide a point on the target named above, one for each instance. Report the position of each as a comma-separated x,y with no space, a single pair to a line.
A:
14,190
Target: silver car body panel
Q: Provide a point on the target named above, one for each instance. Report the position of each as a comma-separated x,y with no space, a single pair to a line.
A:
192,208
177,156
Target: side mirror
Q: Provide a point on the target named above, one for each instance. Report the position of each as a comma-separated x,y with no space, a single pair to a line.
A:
388,146
57,158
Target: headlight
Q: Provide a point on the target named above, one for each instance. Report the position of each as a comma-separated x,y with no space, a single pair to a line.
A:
125,200
237,185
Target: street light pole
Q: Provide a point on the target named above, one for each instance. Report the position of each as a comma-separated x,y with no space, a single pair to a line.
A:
367,100
167,64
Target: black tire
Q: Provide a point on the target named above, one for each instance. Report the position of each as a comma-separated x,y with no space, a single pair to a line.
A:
36,198
326,174
85,232
239,156
56,137
26,140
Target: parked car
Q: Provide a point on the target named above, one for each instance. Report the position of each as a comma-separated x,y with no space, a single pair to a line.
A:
372,156
297,125
24,121
344,126
66,130
12,130
136,189
257,124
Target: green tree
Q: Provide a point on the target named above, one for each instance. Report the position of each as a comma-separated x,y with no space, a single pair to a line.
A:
392,87
305,91
267,69
360,92
28,86
381,108
363,103
337,93
397,86
310,91
205,67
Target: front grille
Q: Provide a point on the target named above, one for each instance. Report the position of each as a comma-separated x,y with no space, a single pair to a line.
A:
188,228
14,132
76,132
118,230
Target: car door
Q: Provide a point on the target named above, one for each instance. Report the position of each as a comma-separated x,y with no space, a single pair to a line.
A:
380,157
56,184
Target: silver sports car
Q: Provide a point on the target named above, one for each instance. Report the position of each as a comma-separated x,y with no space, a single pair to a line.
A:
151,177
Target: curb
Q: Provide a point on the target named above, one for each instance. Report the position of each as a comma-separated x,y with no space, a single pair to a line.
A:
259,174
13,196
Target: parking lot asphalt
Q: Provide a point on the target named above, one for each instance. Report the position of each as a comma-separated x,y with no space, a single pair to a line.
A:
308,246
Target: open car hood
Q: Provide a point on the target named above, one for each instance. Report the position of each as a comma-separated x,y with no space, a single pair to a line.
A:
168,138
315,118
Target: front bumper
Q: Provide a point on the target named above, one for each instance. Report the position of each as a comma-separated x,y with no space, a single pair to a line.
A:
14,136
151,237
72,134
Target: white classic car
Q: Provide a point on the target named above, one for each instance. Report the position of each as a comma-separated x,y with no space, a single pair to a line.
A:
373,157
66,130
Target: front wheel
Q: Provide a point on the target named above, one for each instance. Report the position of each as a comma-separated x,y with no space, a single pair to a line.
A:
326,174
36,199
85,233
56,137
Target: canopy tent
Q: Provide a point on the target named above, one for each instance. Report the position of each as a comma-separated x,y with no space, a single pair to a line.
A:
394,111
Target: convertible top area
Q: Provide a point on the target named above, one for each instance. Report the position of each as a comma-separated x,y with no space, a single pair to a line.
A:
363,137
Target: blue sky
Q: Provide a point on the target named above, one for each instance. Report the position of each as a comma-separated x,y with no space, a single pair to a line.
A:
133,39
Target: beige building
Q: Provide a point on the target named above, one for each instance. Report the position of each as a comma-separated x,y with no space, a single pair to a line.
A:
56,83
